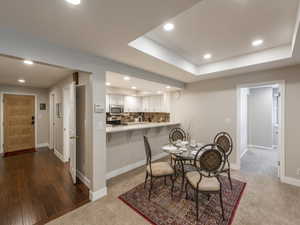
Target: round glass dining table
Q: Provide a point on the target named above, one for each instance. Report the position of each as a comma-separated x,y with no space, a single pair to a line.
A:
184,155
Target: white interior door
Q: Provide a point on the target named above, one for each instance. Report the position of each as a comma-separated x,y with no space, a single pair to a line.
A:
66,106
72,131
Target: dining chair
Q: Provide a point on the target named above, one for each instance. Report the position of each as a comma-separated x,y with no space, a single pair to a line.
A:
206,179
157,169
225,141
176,134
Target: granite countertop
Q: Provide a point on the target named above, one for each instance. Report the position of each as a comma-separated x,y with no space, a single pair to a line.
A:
137,126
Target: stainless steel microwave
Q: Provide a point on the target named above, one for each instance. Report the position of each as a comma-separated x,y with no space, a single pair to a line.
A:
116,109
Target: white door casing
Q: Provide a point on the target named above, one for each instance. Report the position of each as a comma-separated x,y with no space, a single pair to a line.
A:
281,125
72,131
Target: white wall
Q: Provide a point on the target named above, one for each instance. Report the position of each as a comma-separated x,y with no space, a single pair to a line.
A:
42,120
211,106
260,104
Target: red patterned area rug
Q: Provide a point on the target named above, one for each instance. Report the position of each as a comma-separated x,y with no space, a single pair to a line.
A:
163,210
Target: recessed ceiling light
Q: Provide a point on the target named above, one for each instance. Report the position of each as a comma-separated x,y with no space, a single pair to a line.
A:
257,42
207,56
133,87
28,62
74,2
168,87
126,78
107,84
169,26
21,81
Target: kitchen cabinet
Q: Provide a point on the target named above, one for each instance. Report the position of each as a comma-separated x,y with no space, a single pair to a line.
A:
107,102
116,99
153,103
132,104
166,103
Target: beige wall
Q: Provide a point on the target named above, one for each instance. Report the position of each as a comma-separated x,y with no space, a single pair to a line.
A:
42,115
84,154
211,106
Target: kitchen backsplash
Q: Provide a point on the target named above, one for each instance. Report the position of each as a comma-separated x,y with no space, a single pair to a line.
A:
155,117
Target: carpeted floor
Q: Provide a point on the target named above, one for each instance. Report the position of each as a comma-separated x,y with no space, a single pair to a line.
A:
265,202
260,161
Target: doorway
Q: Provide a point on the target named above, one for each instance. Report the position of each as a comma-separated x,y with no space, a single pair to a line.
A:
74,122
260,128
19,123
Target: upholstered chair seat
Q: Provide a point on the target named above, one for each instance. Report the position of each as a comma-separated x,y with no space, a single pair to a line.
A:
206,184
160,169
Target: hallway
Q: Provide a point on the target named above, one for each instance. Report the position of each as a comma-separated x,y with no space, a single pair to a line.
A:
260,161
36,187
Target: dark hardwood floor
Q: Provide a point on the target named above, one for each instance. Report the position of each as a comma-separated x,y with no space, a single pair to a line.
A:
36,187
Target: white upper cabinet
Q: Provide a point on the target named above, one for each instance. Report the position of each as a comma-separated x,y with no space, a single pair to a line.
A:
154,103
166,103
116,99
107,103
132,104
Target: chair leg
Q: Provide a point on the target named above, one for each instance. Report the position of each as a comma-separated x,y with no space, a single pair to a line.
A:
165,180
146,180
221,201
151,183
186,190
208,197
197,204
172,188
229,177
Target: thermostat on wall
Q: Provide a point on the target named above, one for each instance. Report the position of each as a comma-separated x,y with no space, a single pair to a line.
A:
99,108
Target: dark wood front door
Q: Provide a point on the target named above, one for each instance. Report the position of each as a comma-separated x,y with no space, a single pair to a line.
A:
19,123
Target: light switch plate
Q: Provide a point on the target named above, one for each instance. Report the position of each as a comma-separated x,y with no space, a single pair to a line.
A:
99,108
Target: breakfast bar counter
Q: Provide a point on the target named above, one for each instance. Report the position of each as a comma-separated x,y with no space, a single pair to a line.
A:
138,126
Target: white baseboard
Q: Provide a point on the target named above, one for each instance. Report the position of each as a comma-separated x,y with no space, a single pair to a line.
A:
260,147
125,169
244,152
291,181
59,155
83,178
98,194
42,145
